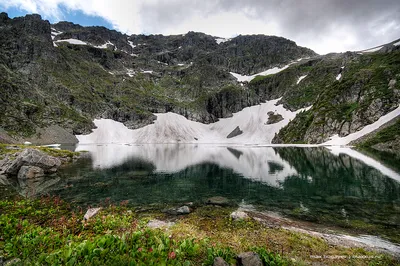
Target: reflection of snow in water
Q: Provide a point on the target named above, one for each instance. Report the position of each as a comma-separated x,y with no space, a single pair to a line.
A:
258,164
366,160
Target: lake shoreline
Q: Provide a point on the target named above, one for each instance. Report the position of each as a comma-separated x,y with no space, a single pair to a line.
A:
211,227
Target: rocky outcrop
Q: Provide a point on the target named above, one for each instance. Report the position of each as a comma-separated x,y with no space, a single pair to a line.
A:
274,118
30,163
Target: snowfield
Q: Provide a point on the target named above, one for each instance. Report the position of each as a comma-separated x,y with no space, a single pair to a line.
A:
174,128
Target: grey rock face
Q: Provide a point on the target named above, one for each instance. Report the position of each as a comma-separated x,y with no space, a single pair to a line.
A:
32,157
249,259
218,261
234,133
29,172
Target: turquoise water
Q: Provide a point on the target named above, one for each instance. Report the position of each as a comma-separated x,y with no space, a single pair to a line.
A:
340,187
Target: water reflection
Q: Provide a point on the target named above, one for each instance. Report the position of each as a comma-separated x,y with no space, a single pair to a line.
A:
317,184
258,164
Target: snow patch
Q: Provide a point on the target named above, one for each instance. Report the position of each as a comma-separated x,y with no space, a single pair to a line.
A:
336,140
104,46
131,44
54,33
174,128
130,72
301,78
243,78
147,72
72,41
397,43
180,64
338,76
372,50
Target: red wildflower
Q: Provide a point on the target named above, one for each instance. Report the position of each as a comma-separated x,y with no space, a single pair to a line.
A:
172,255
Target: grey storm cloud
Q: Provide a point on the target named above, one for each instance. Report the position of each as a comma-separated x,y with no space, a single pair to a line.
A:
369,22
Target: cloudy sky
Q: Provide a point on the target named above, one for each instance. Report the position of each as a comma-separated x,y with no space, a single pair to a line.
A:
322,25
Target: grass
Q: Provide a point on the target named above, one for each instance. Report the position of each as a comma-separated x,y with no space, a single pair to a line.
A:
49,231
14,148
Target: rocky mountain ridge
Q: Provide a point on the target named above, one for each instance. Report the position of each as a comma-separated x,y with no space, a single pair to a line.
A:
57,78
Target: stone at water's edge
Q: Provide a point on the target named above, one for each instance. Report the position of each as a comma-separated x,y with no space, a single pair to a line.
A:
249,259
218,261
32,157
218,200
183,210
239,215
28,172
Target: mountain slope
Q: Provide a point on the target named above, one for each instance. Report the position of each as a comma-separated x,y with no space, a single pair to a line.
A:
56,79
67,75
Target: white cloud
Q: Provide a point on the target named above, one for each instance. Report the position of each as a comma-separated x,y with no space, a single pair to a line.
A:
324,26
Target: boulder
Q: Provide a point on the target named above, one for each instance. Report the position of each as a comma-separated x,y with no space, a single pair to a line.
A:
234,133
239,215
218,261
28,172
218,200
178,211
249,259
183,210
32,157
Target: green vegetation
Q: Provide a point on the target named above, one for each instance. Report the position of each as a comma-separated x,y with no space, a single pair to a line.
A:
13,148
363,90
387,134
49,231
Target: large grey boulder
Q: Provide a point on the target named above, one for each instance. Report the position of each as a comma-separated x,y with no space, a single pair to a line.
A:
32,157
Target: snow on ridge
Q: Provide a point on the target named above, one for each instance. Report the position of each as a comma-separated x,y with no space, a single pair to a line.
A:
396,43
274,70
72,41
336,140
372,50
301,78
221,40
